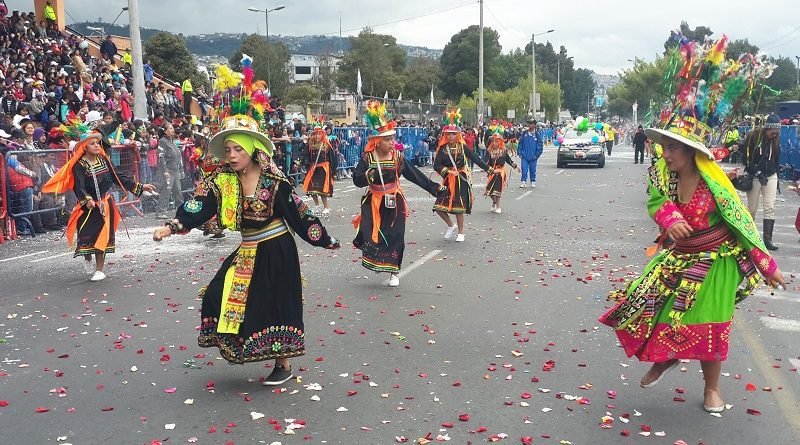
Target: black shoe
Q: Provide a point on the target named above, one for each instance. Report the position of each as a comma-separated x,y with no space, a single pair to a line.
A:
218,235
279,376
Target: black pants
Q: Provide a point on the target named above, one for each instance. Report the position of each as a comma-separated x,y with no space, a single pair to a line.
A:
609,146
638,155
187,102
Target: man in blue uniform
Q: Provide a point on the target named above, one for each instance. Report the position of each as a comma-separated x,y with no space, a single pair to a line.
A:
530,148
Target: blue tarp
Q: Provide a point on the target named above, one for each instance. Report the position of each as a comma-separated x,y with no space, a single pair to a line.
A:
790,144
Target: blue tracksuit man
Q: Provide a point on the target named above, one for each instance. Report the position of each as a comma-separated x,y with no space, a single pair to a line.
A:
529,149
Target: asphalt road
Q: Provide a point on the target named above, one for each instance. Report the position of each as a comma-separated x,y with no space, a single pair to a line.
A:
493,339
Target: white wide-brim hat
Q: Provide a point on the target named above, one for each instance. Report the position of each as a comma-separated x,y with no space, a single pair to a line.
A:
239,124
660,137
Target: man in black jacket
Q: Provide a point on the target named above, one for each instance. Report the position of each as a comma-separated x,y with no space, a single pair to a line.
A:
108,49
639,140
9,103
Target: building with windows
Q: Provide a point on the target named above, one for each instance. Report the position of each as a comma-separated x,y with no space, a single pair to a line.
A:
306,67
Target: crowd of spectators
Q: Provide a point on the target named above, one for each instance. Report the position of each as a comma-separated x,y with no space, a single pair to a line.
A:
49,79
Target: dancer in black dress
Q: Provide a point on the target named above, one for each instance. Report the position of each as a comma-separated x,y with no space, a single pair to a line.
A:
382,221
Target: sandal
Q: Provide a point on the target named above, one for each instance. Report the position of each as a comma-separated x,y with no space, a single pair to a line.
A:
660,376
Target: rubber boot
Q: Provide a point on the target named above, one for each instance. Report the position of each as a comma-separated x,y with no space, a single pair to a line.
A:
769,225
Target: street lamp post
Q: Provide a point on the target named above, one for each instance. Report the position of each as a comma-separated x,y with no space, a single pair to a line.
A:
124,8
533,68
266,17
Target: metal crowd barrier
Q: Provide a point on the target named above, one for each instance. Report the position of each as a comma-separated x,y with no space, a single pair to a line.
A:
28,207
4,219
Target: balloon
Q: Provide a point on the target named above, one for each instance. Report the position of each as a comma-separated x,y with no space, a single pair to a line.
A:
598,126
556,142
83,45
560,139
595,139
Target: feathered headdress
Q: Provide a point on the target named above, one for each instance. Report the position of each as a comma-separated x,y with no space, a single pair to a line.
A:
705,89
63,180
318,129
452,120
379,120
240,93
243,107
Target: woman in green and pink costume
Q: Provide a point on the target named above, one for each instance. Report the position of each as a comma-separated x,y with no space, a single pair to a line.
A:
681,307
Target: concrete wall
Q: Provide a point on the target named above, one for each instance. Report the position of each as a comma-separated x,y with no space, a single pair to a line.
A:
58,5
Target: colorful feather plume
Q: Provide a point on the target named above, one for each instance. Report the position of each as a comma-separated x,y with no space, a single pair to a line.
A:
240,93
453,117
706,86
375,114
75,129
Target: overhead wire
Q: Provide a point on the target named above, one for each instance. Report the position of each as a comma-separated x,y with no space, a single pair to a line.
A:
392,22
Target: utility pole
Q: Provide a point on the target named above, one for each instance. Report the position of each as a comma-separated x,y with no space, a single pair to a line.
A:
480,70
137,69
533,71
798,70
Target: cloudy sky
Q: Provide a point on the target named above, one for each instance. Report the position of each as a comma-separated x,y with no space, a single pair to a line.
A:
601,34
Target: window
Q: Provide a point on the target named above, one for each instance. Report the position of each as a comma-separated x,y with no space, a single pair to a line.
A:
302,70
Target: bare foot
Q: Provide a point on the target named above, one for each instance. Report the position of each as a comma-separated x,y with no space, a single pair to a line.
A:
654,374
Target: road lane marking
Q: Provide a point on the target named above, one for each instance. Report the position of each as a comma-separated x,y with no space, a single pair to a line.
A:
51,257
524,195
781,324
787,400
416,264
23,256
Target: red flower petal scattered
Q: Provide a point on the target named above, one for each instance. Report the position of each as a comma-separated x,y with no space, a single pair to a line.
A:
41,409
3,403
463,417
753,412
750,387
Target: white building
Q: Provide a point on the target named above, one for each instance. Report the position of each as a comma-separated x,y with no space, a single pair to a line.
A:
305,67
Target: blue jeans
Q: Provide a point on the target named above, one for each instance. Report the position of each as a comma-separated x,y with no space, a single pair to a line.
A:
528,167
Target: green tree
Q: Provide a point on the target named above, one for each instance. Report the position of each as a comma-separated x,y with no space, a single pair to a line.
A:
325,78
641,84
738,47
460,61
511,68
785,75
576,90
381,63
420,74
303,95
170,58
698,34
256,47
